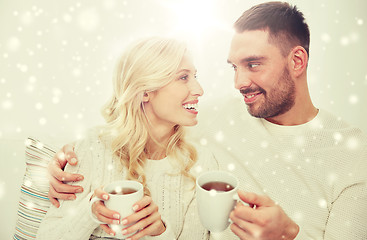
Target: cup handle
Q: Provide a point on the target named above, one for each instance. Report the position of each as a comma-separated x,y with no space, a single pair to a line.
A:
238,199
94,199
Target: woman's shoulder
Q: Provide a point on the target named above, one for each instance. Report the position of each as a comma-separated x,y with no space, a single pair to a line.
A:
92,141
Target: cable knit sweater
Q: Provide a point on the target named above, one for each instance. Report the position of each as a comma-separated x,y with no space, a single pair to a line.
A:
317,172
173,193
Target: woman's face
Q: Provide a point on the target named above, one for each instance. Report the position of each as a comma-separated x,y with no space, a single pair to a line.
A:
176,103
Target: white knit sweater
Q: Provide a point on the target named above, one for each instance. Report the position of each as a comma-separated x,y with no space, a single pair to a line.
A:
174,194
317,172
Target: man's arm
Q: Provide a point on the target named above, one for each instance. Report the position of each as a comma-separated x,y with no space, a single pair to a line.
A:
348,215
262,219
58,178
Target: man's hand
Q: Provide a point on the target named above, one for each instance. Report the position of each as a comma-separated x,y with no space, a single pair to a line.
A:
262,219
58,178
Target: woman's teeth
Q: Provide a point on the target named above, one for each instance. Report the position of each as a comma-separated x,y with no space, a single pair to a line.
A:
191,106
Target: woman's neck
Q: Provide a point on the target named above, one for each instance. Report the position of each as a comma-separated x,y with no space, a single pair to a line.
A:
157,144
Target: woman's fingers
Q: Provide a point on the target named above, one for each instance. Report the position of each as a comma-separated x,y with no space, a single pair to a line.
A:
146,221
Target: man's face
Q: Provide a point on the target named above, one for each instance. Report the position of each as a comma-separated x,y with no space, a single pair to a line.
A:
261,74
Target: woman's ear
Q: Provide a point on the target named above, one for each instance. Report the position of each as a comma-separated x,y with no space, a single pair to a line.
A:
146,97
298,61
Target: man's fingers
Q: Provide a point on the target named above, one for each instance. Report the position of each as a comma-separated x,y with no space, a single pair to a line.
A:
255,199
56,172
242,222
52,193
61,187
54,202
240,232
69,154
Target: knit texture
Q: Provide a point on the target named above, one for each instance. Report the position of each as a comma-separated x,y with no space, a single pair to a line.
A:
173,193
316,171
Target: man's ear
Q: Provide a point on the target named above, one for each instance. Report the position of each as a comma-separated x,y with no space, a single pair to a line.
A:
298,61
146,97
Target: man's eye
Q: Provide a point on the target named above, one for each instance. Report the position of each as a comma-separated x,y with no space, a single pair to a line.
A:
253,65
234,67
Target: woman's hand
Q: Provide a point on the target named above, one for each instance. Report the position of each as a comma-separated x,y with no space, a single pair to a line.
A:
104,214
147,219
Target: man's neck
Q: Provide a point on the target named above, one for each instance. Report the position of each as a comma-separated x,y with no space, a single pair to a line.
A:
296,116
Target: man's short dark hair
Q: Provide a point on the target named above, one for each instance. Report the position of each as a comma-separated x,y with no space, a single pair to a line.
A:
285,23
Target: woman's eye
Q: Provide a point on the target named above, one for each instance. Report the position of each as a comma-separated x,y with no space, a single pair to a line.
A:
184,77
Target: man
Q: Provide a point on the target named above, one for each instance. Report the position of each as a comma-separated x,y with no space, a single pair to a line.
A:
303,170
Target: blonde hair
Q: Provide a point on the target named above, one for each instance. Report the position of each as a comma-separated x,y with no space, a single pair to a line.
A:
146,66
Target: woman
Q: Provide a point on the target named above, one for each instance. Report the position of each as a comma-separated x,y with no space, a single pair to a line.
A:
155,94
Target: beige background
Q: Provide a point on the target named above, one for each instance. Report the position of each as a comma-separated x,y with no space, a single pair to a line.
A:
57,58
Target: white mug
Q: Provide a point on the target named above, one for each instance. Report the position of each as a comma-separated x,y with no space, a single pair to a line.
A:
214,206
121,203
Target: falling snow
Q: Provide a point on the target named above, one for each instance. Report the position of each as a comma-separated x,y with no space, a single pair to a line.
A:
56,69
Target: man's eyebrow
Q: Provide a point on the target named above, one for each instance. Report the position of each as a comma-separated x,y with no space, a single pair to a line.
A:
249,59
252,58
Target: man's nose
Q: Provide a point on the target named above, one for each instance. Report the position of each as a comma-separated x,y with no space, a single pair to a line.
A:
241,80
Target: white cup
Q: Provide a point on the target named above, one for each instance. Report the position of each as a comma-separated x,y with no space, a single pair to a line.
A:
214,206
121,203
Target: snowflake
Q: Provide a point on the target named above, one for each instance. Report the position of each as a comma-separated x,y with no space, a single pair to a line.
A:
219,136
22,67
27,142
13,44
322,203
30,205
213,192
2,189
67,18
42,121
353,99
61,155
110,167
338,136
28,183
39,106
331,178
7,104
88,20
264,144
352,143
231,167
344,41
39,145
203,141
298,216
360,21
198,169
55,100
325,38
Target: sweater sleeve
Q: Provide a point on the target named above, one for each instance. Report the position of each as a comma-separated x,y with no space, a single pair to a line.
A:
348,215
71,220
